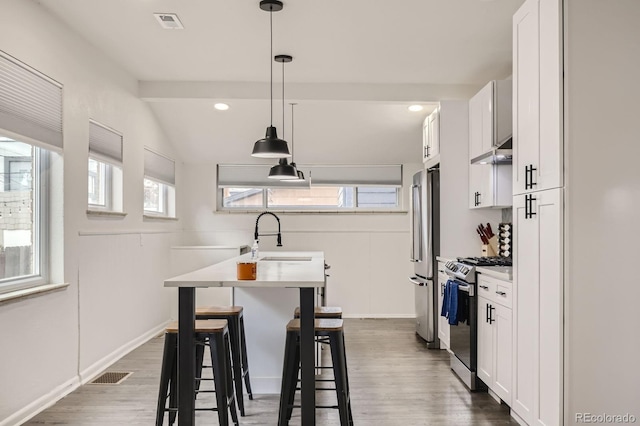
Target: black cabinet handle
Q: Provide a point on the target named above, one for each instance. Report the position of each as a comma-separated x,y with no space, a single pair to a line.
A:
477,199
528,176
488,313
484,287
428,150
528,206
491,319
501,293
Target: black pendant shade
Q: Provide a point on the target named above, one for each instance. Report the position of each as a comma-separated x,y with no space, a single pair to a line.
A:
283,171
298,172
271,146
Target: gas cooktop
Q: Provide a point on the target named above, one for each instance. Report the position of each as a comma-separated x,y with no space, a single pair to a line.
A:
486,261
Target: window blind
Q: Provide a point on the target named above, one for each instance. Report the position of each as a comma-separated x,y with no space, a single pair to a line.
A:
30,103
255,176
360,175
159,167
105,144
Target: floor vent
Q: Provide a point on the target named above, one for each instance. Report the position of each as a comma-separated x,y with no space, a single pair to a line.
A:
110,378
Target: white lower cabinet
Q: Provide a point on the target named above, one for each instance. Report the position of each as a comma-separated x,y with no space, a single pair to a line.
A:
495,340
537,307
443,324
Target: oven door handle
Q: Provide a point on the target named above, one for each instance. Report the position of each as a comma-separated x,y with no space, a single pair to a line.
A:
466,288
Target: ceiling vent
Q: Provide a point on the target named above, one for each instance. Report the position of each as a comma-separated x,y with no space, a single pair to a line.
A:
169,21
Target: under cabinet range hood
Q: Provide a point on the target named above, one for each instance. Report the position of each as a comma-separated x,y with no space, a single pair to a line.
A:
500,155
491,124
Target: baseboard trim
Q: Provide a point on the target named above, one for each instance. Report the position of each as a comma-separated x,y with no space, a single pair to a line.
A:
98,367
45,401
49,399
378,316
518,419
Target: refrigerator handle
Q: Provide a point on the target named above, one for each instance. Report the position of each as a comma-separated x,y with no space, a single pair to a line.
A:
416,214
429,224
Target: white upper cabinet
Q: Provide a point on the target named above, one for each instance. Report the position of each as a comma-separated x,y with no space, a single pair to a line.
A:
490,186
537,97
431,136
490,117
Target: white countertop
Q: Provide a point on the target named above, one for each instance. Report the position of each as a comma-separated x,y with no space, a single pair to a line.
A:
501,272
280,273
445,259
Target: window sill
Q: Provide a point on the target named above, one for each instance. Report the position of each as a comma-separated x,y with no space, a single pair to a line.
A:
31,291
106,213
338,212
153,217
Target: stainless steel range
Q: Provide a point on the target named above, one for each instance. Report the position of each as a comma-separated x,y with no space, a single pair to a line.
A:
464,333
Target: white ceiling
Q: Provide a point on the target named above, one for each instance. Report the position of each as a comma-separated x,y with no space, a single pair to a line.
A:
357,65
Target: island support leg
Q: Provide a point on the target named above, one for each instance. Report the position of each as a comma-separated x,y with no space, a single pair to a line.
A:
307,356
186,356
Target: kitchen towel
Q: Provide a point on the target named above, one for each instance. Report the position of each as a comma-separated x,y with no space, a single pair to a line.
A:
450,302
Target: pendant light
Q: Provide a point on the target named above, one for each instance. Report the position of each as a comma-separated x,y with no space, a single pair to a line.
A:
271,146
283,170
293,163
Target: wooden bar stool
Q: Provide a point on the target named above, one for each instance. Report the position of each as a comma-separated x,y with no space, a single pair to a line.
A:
323,312
334,331
235,316
216,333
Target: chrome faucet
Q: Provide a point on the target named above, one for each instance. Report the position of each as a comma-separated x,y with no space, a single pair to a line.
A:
256,234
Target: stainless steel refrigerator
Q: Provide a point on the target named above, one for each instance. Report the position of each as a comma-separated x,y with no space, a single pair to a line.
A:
425,246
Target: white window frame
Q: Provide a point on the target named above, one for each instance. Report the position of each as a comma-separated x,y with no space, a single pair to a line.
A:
160,169
108,186
40,231
256,171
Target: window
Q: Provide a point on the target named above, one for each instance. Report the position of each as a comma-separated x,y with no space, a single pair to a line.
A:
23,210
105,168
245,187
30,130
159,185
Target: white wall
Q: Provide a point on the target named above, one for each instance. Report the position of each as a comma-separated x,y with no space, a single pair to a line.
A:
368,253
114,268
458,223
602,342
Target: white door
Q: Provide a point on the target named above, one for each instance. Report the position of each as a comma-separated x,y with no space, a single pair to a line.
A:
526,94
434,133
481,186
475,126
549,213
502,353
485,341
525,308
486,98
425,139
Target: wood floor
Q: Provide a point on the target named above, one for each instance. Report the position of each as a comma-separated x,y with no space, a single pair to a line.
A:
394,379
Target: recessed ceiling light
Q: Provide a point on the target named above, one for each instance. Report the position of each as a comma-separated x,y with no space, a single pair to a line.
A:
221,107
415,108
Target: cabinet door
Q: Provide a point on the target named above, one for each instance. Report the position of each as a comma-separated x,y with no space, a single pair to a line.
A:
481,191
537,71
525,309
486,97
548,207
475,126
425,139
434,133
503,351
485,341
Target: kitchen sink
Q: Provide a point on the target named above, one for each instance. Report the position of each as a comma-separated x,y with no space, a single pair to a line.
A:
286,259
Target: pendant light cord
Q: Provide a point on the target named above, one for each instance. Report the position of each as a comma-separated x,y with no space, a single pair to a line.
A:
271,60
292,158
283,128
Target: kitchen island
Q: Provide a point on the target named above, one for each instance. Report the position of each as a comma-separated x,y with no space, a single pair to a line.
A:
302,270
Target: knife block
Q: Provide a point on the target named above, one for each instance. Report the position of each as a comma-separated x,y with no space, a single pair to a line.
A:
491,249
